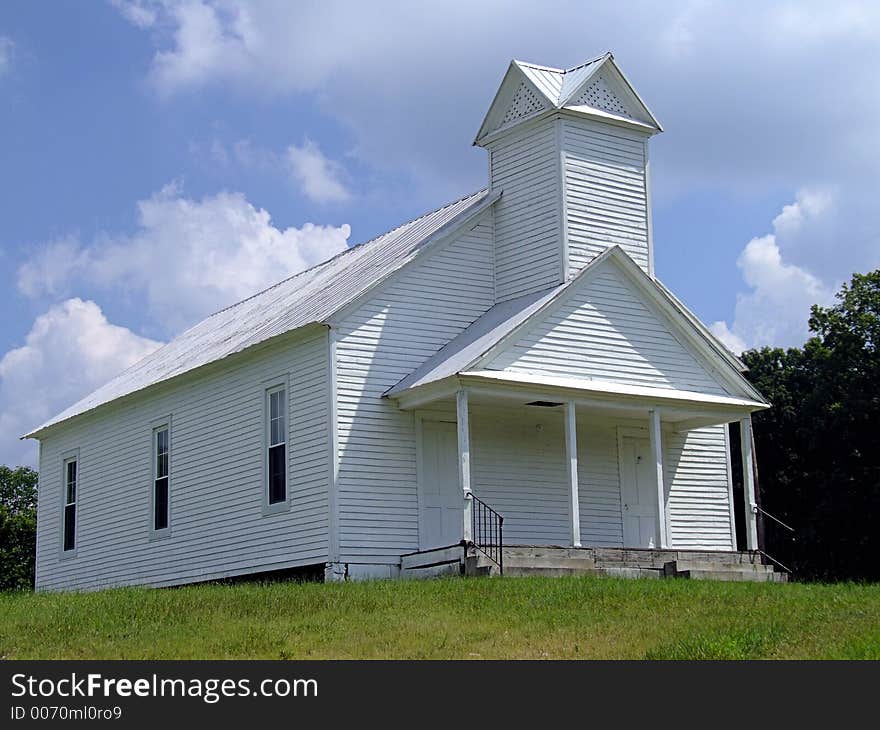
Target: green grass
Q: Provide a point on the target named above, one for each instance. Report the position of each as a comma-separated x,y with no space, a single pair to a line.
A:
535,618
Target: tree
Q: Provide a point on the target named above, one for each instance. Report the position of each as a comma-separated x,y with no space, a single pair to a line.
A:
18,527
819,446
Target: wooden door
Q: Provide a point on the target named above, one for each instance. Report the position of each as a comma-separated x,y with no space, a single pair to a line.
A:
441,500
638,494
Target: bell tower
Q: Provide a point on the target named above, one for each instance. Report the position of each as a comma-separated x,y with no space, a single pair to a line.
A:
569,149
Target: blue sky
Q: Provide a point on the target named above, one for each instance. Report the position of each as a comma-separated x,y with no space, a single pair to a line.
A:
161,159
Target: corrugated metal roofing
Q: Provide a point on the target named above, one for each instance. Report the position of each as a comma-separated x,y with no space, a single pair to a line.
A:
312,296
557,84
481,336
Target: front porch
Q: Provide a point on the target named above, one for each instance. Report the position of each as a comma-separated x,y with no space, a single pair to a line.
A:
634,480
534,560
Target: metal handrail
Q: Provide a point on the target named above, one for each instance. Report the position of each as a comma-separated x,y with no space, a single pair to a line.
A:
775,561
775,519
781,523
488,531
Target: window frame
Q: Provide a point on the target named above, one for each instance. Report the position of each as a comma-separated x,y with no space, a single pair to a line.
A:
156,427
70,457
274,385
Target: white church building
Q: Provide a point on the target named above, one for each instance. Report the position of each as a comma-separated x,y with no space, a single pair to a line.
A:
510,355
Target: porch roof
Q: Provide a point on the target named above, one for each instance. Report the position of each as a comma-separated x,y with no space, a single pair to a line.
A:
467,351
683,408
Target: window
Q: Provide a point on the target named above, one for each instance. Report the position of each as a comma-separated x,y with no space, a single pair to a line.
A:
276,456
70,477
161,479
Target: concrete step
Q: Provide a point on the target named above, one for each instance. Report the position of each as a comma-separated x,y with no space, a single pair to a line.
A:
540,563
733,575
624,571
513,571
538,551
677,566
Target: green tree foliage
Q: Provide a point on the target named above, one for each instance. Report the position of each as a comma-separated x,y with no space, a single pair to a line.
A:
18,527
818,448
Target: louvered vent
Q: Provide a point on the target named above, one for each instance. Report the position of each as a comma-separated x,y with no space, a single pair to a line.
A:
600,96
524,102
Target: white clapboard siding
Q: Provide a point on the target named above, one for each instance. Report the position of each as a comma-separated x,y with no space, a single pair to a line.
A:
605,191
604,329
697,483
217,478
378,344
520,471
528,243
599,482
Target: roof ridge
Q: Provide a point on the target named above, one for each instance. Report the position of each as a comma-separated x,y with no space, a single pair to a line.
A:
338,256
607,54
539,66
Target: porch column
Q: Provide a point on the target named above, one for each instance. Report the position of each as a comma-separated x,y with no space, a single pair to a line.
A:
657,454
571,459
464,461
748,466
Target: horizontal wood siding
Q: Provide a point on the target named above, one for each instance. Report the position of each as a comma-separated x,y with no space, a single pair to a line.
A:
217,477
518,468
520,472
605,192
528,232
380,343
603,329
697,483
599,482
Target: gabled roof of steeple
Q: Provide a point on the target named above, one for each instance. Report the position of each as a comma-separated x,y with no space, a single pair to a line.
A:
595,88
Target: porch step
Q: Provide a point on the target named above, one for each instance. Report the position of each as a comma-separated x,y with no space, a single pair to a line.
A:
524,561
707,570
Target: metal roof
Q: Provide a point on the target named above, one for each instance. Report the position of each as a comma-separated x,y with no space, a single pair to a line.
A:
558,87
482,335
309,297
557,84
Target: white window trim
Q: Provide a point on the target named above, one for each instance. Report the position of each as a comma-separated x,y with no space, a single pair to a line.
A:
272,385
66,458
156,426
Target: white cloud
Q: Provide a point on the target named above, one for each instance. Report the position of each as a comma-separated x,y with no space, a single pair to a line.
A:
776,309
810,204
733,343
137,12
712,72
70,350
187,258
317,177
6,48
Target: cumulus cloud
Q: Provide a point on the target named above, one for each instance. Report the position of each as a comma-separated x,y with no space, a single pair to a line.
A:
384,69
317,177
187,257
137,12
776,309
70,350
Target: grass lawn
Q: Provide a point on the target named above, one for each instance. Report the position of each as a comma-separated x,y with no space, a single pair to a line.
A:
517,618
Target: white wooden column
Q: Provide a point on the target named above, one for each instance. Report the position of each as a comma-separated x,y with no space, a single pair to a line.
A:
748,465
464,461
571,459
657,455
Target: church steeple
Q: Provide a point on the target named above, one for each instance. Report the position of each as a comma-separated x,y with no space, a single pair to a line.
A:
595,89
569,148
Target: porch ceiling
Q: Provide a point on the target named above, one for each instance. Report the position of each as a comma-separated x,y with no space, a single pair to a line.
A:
681,409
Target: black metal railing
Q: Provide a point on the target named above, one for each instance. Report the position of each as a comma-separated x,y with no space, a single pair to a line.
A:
488,532
790,535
